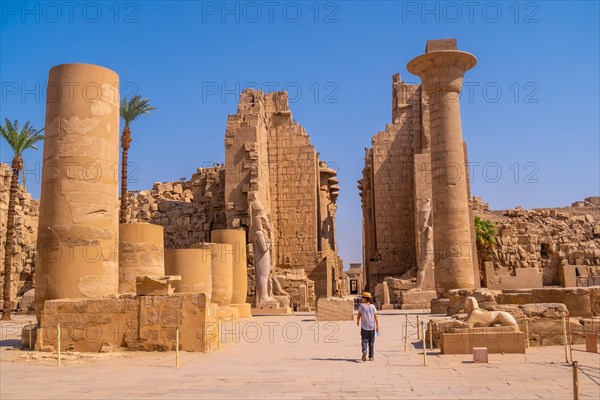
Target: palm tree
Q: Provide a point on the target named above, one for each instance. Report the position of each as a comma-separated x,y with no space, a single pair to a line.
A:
485,239
19,141
130,110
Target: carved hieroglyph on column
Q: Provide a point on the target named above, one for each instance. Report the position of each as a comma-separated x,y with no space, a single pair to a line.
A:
78,231
441,69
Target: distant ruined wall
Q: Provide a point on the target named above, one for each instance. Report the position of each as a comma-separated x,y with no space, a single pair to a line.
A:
545,239
269,157
188,210
23,248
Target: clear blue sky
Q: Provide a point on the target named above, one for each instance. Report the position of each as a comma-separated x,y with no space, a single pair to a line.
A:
532,105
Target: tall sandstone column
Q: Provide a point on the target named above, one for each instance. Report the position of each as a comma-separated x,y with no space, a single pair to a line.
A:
441,69
78,231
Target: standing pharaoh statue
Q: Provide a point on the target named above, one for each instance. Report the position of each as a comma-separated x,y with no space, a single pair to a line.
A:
261,247
425,267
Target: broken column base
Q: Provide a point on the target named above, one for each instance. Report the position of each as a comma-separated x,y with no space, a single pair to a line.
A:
147,323
244,309
500,339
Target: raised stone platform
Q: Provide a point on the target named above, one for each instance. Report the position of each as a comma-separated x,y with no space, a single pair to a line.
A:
272,311
503,339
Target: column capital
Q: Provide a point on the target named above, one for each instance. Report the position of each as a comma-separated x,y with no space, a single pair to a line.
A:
443,70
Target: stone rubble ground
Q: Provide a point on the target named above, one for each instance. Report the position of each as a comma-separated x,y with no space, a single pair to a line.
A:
295,357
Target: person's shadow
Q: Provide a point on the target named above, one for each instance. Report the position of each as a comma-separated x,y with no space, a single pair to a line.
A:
353,360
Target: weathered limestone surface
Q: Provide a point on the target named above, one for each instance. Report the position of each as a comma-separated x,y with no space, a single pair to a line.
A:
188,210
221,267
155,285
193,265
237,239
497,339
397,182
134,323
335,309
291,282
24,242
78,229
269,157
441,69
141,252
545,240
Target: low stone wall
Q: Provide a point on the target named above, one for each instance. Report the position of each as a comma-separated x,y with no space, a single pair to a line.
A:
335,309
134,323
188,210
580,302
544,239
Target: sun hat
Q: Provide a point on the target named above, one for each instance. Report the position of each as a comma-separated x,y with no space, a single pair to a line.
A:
366,295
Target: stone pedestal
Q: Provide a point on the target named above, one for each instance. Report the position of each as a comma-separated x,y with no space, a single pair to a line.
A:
78,232
304,305
441,69
271,308
236,238
193,265
141,252
501,339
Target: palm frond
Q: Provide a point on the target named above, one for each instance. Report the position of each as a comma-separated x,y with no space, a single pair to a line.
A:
132,108
20,140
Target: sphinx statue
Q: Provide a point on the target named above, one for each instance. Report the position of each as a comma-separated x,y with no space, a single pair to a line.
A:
482,318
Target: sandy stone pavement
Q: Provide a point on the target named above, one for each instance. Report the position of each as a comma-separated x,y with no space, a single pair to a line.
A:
294,357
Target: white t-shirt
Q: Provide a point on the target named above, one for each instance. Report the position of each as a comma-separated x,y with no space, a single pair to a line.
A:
367,316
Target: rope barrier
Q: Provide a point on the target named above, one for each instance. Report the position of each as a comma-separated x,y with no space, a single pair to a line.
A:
576,365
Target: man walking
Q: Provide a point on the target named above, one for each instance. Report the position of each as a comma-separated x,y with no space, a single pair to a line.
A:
369,324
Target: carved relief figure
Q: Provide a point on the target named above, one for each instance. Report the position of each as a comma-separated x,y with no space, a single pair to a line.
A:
425,264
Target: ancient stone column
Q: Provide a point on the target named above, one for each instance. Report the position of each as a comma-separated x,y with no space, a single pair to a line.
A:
236,238
141,252
221,267
193,265
441,69
78,231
